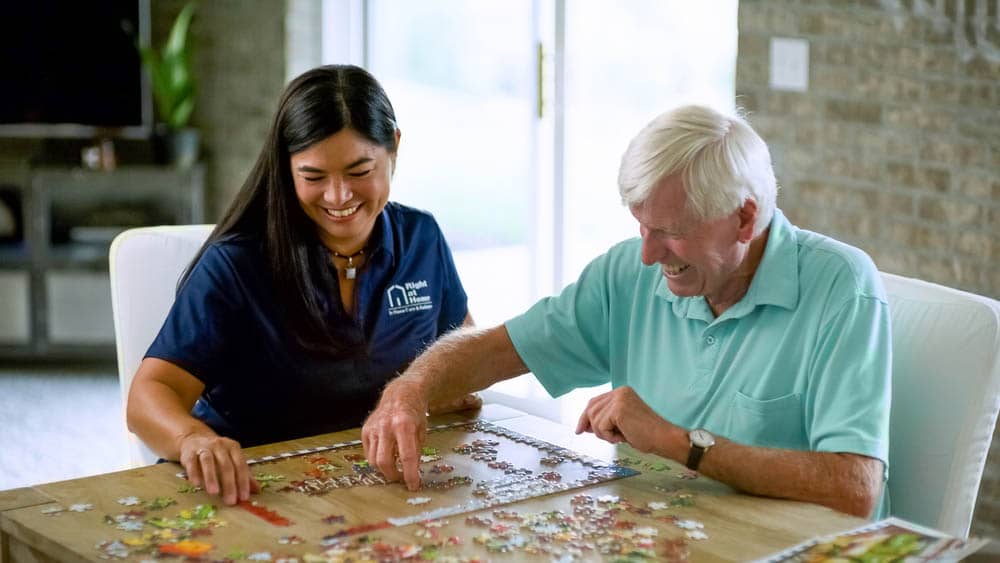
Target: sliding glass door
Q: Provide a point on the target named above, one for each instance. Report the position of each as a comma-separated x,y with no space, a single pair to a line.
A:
461,77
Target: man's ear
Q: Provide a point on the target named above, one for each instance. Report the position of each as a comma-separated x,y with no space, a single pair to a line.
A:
747,214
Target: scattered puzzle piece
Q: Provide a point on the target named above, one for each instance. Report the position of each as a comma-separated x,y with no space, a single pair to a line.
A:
113,549
159,503
334,519
188,548
264,513
689,524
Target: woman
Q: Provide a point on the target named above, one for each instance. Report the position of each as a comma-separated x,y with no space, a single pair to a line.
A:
310,294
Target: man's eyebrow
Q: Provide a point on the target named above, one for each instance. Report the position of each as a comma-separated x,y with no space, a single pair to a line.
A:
669,229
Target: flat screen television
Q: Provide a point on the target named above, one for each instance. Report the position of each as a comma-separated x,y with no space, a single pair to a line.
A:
70,69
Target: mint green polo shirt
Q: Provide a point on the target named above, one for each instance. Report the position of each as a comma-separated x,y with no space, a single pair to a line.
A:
801,362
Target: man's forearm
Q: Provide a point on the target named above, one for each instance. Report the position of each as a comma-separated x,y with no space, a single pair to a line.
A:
463,361
847,482
850,483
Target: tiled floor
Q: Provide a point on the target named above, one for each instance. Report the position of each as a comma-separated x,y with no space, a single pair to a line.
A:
59,423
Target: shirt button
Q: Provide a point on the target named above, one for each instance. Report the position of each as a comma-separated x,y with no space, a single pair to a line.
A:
710,340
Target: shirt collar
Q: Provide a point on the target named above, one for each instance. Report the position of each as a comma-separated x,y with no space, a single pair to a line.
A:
776,281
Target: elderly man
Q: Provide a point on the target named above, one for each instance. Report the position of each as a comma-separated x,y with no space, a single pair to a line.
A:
750,350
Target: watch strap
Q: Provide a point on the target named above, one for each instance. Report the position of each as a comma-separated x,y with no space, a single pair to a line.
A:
694,457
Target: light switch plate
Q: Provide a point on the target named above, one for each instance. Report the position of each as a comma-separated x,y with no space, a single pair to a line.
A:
789,64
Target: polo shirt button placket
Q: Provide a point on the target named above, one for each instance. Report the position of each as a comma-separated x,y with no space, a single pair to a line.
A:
707,355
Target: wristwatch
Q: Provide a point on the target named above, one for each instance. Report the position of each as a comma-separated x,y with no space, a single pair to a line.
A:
701,440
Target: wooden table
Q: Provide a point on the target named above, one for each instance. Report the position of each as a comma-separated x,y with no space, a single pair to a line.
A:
738,526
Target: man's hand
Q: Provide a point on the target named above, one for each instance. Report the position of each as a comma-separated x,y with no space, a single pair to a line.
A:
463,360
468,402
397,425
217,464
621,416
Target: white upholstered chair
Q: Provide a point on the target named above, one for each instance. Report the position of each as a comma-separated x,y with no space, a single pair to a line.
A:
945,397
146,264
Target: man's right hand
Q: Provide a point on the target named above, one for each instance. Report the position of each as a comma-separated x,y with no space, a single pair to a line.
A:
396,429
217,464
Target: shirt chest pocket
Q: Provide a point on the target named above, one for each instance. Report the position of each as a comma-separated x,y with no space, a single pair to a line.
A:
775,423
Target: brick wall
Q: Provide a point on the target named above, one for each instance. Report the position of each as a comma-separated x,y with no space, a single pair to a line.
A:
895,146
240,66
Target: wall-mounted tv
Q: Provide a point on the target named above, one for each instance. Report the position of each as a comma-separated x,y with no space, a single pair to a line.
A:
70,69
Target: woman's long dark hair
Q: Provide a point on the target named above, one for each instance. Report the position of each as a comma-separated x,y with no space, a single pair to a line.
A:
319,103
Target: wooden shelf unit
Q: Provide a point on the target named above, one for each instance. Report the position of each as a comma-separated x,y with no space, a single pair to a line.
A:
55,296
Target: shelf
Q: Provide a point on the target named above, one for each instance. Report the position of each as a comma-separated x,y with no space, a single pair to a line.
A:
14,255
78,254
55,298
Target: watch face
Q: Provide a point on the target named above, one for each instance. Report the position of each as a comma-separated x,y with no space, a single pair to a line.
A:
702,438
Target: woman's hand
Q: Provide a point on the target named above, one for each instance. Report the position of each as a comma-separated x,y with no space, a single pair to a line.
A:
217,464
468,402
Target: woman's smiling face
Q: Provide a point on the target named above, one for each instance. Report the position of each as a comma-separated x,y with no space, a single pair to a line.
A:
342,184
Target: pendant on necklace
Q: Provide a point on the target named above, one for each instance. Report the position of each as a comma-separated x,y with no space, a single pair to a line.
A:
350,272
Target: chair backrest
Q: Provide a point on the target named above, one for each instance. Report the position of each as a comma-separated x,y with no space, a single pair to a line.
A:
945,397
146,264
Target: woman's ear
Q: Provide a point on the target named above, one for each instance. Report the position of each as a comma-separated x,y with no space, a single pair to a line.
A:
399,135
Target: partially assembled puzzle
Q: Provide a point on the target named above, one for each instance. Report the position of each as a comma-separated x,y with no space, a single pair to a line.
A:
464,467
328,504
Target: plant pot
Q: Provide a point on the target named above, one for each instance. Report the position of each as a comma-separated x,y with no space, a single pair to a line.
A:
177,147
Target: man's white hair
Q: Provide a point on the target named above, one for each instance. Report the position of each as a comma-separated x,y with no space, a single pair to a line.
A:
722,161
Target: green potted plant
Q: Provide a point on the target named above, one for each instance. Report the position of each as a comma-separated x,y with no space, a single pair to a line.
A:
172,77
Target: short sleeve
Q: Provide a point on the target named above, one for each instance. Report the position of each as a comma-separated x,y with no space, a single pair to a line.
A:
564,339
454,301
848,397
205,319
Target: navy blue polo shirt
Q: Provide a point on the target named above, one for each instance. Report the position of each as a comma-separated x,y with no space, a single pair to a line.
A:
226,329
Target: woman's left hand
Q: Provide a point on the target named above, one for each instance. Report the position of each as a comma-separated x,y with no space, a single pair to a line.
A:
468,402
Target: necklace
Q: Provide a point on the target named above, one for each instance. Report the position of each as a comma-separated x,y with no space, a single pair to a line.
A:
351,271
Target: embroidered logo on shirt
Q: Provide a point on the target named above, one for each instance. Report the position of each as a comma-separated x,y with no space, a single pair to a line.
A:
407,298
